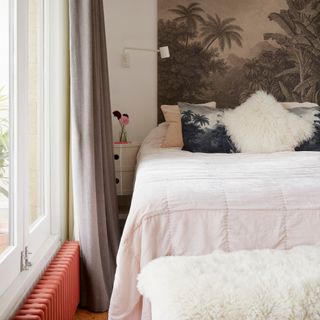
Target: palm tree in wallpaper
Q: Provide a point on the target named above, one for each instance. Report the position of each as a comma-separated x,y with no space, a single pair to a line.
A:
190,16
184,77
223,31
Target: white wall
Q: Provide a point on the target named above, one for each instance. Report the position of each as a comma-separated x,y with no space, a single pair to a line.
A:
133,90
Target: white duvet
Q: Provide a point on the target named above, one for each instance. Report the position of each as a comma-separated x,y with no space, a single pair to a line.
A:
193,203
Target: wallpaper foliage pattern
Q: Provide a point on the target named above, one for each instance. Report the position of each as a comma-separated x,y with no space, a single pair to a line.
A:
224,50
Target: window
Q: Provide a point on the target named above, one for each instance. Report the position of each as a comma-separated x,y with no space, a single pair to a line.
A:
4,124
25,159
35,108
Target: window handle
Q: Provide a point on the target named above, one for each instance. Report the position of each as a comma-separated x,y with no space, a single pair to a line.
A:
25,264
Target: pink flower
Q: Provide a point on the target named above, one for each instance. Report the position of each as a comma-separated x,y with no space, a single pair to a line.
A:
124,120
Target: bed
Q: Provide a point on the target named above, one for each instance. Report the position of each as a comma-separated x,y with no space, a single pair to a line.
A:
193,203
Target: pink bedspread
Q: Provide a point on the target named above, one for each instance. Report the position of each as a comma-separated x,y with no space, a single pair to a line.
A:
192,204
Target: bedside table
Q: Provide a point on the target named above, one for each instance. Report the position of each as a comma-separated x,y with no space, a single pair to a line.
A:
125,164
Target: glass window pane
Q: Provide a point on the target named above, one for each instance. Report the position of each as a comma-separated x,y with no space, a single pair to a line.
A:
4,123
35,108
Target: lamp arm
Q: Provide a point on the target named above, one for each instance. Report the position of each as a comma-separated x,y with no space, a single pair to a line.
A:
164,53
140,49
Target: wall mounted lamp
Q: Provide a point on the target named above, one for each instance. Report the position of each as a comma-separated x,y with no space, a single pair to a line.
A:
164,53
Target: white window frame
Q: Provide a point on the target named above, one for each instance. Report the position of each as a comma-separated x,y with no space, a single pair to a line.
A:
37,232
11,255
56,76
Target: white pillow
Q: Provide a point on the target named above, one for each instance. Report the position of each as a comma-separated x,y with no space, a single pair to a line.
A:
292,105
211,104
261,124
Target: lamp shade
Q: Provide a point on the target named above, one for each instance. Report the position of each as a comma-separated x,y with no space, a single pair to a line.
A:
164,52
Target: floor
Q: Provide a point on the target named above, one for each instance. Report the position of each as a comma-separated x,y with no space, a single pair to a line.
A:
86,315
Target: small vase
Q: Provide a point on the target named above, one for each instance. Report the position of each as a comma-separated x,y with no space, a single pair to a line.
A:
123,136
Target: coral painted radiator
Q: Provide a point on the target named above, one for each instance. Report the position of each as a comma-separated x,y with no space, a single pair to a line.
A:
57,293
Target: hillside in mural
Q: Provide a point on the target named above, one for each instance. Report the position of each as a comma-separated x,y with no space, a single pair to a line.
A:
225,58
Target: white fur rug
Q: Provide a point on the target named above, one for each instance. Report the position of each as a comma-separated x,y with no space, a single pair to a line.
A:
243,285
262,124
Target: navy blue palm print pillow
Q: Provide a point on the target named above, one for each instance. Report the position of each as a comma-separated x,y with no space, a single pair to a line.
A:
310,114
203,130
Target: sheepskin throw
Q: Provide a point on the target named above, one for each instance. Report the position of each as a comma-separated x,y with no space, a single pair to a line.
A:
261,124
243,285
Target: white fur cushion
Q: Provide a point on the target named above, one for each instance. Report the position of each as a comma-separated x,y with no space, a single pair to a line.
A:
261,124
242,285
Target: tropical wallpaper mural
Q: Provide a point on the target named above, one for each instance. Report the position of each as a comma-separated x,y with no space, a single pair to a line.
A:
224,50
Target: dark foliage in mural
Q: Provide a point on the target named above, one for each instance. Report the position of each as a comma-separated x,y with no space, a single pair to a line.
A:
301,25
185,75
287,66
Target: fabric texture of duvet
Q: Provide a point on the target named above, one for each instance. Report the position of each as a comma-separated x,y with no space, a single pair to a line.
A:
192,204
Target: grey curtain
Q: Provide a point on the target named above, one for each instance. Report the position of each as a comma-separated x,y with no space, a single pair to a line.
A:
95,206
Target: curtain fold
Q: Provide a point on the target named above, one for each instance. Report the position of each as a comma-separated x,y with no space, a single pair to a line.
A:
93,178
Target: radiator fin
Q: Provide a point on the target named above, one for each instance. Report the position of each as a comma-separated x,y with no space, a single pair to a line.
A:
57,293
